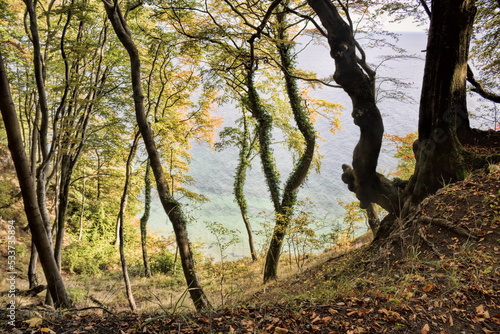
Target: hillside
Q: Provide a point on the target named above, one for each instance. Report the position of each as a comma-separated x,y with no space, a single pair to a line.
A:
439,273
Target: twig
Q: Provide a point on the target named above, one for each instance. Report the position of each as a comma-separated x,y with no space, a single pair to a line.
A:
421,234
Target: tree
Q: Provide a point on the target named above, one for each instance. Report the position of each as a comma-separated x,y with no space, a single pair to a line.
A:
284,211
171,206
36,224
121,220
440,155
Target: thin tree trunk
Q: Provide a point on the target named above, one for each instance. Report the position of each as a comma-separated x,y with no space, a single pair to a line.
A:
121,222
32,275
301,169
82,208
65,178
144,220
239,183
170,205
36,224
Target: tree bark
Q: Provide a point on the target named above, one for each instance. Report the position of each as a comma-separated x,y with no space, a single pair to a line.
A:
36,224
32,275
170,205
440,156
362,178
121,222
144,220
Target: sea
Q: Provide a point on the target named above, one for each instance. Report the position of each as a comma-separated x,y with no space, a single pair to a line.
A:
213,171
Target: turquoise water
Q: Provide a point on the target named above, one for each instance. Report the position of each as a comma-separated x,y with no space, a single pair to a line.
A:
214,171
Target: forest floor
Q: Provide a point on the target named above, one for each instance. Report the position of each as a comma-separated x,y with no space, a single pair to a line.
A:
439,273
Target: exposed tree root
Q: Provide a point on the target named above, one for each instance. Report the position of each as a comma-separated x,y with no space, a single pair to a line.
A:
446,224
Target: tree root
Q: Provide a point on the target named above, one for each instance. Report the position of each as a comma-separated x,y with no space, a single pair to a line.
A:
421,234
446,224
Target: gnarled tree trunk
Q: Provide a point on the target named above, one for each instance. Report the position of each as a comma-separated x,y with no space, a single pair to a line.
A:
362,178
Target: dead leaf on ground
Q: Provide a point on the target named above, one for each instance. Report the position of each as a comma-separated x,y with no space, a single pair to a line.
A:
33,322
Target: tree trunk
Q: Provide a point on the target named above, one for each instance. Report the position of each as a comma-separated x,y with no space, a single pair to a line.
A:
362,178
64,182
121,222
301,169
32,275
239,183
438,151
170,205
144,220
373,218
82,207
36,224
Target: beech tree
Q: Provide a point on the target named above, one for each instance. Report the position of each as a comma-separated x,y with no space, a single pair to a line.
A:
246,44
36,224
439,154
171,206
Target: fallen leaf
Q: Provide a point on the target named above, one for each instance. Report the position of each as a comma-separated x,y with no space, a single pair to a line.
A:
332,311
425,329
482,314
279,330
47,330
326,320
33,322
428,287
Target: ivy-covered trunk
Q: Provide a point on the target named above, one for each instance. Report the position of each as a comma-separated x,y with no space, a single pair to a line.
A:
239,183
285,212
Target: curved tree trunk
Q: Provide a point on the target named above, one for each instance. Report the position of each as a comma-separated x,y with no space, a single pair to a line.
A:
362,178
36,224
298,176
170,205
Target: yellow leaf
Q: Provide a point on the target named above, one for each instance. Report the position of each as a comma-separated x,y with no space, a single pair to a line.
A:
425,329
47,330
33,322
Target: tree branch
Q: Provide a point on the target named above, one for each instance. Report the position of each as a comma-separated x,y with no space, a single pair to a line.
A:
478,88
